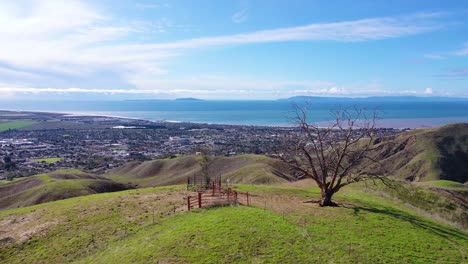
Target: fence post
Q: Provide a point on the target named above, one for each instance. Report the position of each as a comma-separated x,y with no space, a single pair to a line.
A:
213,187
188,202
248,202
199,200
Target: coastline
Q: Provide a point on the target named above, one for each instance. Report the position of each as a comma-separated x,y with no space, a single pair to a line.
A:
397,123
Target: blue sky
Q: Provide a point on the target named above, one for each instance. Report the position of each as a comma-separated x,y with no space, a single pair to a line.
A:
232,49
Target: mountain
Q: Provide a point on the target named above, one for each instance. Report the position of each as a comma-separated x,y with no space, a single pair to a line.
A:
376,99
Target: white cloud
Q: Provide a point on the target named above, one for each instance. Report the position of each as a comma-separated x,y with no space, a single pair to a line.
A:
434,56
222,82
75,38
348,31
240,16
147,6
463,51
219,87
18,74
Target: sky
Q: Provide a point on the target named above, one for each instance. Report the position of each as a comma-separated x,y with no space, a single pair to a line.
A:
239,49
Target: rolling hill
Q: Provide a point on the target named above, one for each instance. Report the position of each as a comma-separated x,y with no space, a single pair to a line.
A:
150,225
373,224
250,169
63,184
58,185
430,154
420,155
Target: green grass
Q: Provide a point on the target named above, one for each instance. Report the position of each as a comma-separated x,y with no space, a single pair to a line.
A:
2,182
434,201
16,124
227,235
279,228
49,160
57,185
446,183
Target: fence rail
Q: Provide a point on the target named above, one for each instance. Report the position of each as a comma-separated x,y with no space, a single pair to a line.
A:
217,197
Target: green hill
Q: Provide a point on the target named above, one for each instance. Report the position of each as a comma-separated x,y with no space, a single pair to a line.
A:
53,186
425,154
251,169
150,226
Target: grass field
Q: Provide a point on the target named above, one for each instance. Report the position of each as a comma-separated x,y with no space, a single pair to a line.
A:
150,225
16,124
49,160
445,184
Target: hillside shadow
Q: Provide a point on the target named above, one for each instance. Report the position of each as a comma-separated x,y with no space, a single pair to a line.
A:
448,233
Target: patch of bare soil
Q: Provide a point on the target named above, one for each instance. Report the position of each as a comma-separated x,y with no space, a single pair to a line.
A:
283,204
73,176
20,228
19,186
460,197
306,183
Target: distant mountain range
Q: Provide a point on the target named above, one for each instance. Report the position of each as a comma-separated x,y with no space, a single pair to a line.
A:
338,99
376,98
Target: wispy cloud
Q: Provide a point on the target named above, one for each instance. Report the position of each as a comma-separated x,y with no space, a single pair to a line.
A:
463,51
434,56
218,87
147,6
348,31
454,73
242,14
75,38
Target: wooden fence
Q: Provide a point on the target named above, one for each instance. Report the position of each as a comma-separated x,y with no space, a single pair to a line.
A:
215,197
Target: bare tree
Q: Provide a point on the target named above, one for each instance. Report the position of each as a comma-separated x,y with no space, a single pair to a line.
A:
205,166
333,155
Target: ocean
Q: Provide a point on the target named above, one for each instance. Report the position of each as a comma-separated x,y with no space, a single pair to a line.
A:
393,113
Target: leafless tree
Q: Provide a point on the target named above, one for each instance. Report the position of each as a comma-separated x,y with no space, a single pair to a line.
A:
335,154
205,165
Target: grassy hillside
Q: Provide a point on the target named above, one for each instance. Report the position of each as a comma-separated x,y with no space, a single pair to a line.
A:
446,204
252,169
419,155
149,226
57,185
425,154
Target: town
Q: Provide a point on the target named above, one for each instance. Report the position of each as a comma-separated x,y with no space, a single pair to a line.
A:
97,144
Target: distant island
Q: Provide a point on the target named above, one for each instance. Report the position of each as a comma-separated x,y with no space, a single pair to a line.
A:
177,99
189,99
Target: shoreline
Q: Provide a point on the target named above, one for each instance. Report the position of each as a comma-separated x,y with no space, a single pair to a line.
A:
396,123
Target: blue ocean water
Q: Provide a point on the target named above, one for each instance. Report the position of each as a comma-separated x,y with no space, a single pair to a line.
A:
273,112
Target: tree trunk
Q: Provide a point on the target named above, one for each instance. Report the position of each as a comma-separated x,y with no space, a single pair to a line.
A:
326,199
